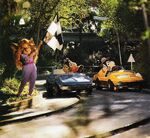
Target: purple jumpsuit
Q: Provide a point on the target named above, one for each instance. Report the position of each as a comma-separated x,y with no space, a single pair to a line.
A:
29,73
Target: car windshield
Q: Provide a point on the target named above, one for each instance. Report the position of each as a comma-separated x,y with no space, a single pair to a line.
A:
77,77
116,68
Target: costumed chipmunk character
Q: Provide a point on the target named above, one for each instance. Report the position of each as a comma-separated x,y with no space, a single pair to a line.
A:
70,66
109,65
105,64
26,55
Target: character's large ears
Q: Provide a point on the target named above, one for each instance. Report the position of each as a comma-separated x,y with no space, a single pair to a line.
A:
111,64
14,47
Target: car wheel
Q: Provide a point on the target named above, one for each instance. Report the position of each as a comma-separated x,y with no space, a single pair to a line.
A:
89,91
111,86
49,90
97,84
56,91
116,89
139,88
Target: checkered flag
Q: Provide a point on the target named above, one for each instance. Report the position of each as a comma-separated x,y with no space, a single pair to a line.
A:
53,37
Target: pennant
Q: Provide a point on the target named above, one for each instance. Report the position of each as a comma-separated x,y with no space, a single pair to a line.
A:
53,37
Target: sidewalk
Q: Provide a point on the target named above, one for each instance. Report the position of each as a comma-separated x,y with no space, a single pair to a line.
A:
35,106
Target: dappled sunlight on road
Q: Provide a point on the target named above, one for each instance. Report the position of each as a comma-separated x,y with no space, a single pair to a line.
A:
96,114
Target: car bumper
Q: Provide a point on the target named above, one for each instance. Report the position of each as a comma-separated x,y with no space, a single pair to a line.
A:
76,88
138,84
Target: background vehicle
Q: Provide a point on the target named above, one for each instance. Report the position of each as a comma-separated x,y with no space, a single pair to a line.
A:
59,82
118,79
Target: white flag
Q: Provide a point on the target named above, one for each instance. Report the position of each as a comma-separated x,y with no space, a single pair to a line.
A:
52,28
53,36
53,43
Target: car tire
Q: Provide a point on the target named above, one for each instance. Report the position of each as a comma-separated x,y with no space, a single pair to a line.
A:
89,91
56,91
139,89
116,89
98,85
49,89
111,86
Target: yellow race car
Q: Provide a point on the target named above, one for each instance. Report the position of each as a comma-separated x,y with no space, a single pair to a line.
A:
117,79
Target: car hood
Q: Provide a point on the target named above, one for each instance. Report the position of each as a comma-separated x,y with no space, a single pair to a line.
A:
126,74
76,78
122,72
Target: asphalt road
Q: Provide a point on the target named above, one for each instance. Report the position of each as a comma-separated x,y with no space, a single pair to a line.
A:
96,115
142,131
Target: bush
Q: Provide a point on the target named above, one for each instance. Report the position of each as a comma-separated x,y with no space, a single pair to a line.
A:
9,91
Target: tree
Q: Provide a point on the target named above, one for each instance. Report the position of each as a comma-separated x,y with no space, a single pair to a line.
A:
6,9
11,11
127,18
37,15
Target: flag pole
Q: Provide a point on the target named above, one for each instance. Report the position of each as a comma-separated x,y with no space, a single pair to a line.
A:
56,52
38,34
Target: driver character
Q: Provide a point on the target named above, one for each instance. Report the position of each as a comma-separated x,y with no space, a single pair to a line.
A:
70,66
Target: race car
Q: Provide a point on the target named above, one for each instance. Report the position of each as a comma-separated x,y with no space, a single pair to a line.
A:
117,79
60,82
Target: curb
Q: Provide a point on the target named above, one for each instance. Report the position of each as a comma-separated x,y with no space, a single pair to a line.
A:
22,104
38,114
121,129
35,106
25,103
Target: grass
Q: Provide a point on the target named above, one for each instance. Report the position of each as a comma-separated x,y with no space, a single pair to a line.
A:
9,90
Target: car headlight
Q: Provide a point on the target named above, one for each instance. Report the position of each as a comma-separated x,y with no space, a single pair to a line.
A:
64,87
122,76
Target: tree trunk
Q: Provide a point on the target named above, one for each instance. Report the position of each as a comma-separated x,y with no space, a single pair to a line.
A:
147,57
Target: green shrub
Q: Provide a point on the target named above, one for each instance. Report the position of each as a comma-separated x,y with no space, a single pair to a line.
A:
10,88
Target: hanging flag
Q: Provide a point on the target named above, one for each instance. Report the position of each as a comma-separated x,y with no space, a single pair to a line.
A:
59,36
53,43
53,37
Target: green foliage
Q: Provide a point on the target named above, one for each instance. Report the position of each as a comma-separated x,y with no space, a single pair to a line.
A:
10,86
9,91
146,35
72,11
1,69
124,17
